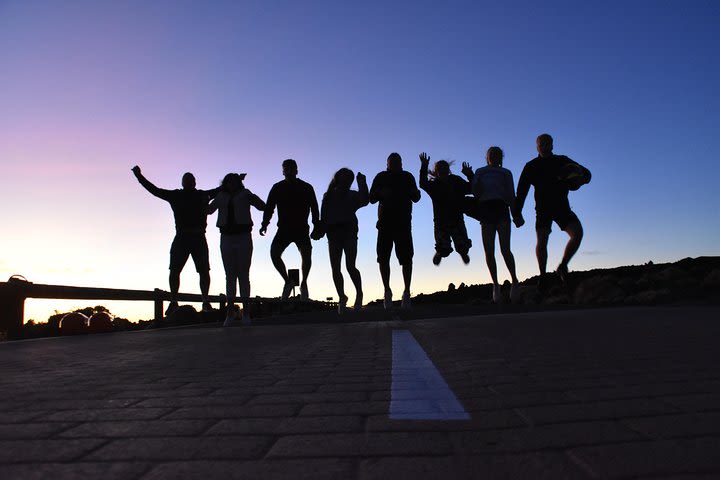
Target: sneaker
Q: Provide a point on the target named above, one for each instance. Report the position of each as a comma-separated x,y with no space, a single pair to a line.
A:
206,307
342,304
497,295
230,316
286,290
465,258
304,292
437,258
405,300
172,308
358,301
514,292
563,272
387,302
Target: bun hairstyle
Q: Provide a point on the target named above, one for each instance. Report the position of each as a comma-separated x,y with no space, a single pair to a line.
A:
495,156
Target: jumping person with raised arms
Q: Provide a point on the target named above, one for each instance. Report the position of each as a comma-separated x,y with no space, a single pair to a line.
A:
189,206
447,192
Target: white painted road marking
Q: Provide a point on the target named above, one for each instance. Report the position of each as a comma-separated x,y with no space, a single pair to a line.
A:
419,391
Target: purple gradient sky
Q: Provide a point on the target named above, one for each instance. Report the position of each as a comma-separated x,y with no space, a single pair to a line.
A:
89,89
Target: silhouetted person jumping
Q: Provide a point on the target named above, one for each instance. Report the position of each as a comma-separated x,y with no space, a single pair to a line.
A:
295,200
494,190
447,192
189,206
338,218
547,174
395,190
233,204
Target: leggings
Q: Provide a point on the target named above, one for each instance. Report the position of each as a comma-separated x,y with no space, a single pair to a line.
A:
236,250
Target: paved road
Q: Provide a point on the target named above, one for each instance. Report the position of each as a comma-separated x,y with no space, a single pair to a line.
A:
611,393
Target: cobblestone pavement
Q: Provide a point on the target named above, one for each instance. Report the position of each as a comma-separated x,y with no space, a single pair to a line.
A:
610,393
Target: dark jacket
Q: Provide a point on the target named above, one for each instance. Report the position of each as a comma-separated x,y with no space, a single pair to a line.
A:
448,196
543,174
295,200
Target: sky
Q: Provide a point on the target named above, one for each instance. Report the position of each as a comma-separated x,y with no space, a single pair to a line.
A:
89,89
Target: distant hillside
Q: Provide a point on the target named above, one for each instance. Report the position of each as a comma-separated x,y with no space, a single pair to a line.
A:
690,279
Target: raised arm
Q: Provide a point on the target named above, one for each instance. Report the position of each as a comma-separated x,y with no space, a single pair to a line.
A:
158,192
468,171
363,193
424,162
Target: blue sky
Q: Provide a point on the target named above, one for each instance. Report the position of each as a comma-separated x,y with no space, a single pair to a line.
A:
89,89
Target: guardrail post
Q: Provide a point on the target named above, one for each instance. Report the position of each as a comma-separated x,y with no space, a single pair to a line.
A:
12,310
158,306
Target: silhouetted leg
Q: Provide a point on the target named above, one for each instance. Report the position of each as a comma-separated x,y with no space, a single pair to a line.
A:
335,251
245,259
174,284
350,260
543,235
276,251
384,249
407,275
306,256
504,236
488,238
385,274
575,231
443,243
205,283
460,238
228,259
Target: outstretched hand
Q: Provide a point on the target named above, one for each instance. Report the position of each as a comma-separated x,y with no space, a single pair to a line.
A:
263,230
361,178
136,170
467,169
424,158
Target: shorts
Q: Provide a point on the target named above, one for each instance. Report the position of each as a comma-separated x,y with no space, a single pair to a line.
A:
342,238
493,212
563,216
185,245
284,237
400,238
342,234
